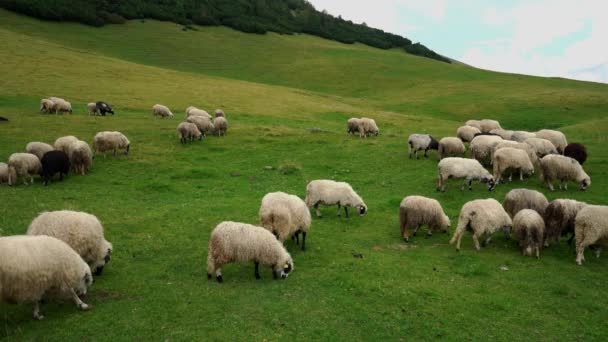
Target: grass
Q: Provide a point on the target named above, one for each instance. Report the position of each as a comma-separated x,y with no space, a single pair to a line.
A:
287,99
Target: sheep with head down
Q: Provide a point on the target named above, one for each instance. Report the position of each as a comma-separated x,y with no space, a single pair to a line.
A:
328,192
591,229
482,146
285,216
483,218
92,108
162,111
110,141
557,167
557,138
193,111
38,148
467,133
469,169
529,229
421,142
542,147
416,211
519,199
63,143
369,127
450,147
81,157
23,165
204,124
559,218
188,131
576,151
520,146
513,160
46,106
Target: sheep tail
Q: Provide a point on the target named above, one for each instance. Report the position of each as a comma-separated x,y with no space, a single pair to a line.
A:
462,225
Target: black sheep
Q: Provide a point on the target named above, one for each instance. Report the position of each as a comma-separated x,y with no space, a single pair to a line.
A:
576,151
103,108
54,162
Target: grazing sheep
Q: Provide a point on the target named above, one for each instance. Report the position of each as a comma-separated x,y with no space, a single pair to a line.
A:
451,147
576,151
221,125
193,111
591,228
239,242
542,147
353,125
22,165
559,219
38,148
285,216
328,192
33,268
482,146
474,123
110,141
519,199
3,173
469,169
520,146
219,112
46,106
81,231
521,136
557,138
557,167
487,125
54,162
81,157
62,106
419,142
188,131
369,127
63,143
55,99
505,134
529,230
203,124
162,111
104,108
483,218
92,108
511,159
415,211
467,133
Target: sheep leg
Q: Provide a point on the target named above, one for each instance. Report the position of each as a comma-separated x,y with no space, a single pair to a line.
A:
537,252
550,186
79,303
458,241
296,237
521,175
511,177
598,251
317,211
566,185
476,241
338,210
36,315
346,211
464,184
303,241
257,270
487,241
426,153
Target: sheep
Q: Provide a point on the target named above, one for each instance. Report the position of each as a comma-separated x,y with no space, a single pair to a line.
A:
369,127
564,169
542,147
557,138
110,141
482,146
46,106
285,216
162,111
55,99
81,157
529,230
591,228
188,131
559,219
487,125
239,242
221,125
3,173
519,199
508,158
505,134
203,124
22,165
33,268
467,133
81,231
576,151
219,112
469,169
62,106
353,125
521,136
38,148
474,123
419,142
92,108
521,146
193,111
63,143
103,108
415,211
483,218
54,162
451,147
328,192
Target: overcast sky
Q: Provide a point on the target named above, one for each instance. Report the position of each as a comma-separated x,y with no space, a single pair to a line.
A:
565,38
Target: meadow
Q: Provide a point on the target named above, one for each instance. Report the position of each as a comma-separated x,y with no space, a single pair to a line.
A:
287,99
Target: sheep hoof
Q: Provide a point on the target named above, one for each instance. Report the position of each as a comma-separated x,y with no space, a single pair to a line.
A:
208,276
84,307
38,317
219,279
257,276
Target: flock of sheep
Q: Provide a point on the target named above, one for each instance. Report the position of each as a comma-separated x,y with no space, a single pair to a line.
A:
63,249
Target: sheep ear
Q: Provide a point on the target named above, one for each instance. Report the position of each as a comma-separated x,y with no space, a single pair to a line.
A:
473,213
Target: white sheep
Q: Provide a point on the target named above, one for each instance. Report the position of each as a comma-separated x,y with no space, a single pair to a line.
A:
474,123
23,165
519,199
46,105
483,218
421,142
38,148
353,126
285,216
467,133
482,146
529,230
241,242
221,125
521,146
559,218
451,147
328,192
416,211
219,112
92,108
469,169
505,134
188,131
511,159
193,111
558,167
162,111
81,231
4,173
110,141
521,136
591,228
204,124
62,106
487,125
542,147
81,157
369,126
63,143
33,268
557,138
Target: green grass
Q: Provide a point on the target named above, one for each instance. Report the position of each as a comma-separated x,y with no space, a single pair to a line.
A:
287,99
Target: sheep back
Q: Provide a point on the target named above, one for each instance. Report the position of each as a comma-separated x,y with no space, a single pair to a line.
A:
519,199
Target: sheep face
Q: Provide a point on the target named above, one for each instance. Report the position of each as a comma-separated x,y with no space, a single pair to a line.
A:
585,184
284,270
434,145
445,224
490,181
100,264
85,282
362,208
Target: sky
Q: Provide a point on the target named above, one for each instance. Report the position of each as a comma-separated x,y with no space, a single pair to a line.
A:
554,38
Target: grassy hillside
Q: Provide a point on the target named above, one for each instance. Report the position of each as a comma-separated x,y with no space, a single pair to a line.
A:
160,203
